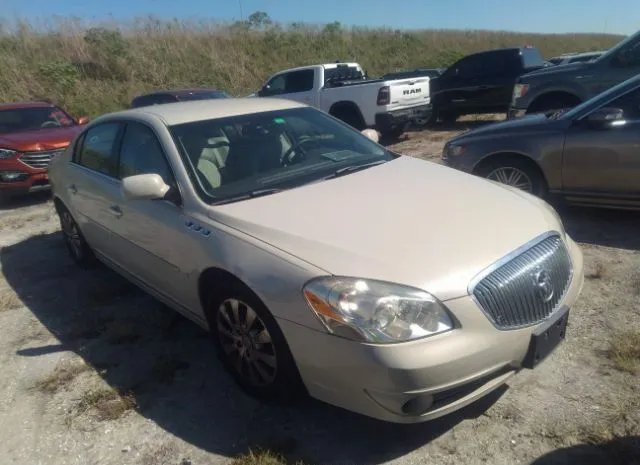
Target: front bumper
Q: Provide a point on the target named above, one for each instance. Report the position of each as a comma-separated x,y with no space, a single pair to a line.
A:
389,120
420,380
29,183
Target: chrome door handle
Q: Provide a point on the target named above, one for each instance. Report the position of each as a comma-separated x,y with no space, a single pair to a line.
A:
115,211
73,189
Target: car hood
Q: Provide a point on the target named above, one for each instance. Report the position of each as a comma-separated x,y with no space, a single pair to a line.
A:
532,121
407,221
558,69
41,139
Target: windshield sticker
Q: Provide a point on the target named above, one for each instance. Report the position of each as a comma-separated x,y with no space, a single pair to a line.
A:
279,120
339,155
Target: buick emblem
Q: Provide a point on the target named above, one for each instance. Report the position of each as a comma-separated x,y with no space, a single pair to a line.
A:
542,282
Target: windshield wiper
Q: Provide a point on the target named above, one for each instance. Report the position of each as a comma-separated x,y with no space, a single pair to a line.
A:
248,195
353,169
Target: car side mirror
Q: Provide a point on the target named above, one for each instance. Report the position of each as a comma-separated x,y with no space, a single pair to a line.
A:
82,120
605,118
266,89
144,187
371,134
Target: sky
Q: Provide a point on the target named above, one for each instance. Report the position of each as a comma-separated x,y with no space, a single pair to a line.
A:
617,16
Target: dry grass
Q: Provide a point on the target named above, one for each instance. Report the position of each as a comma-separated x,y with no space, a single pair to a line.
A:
624,351
262,457
9,300
101,71
61,377
106,404
163,455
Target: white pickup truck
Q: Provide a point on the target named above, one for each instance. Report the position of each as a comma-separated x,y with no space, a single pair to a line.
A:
344,91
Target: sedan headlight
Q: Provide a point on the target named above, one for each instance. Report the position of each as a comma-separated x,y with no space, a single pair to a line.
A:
452,150
6,153
376,311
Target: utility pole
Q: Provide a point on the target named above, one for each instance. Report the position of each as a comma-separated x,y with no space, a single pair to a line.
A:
240,4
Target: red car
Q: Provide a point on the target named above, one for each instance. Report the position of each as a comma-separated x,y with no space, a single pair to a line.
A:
31,134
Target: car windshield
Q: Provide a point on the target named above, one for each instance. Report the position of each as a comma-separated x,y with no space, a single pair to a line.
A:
254,154
29,119
601,98
204,95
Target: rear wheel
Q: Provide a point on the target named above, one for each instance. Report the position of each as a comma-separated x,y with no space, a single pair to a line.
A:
553,102
393,133
515,172
76,244
251,345
349,116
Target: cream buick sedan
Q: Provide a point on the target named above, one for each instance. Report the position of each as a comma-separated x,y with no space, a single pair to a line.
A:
321,262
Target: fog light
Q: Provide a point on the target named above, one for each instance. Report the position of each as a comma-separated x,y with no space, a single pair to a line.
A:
12,176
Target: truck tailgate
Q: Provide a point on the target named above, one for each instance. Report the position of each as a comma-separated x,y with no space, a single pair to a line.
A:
408,92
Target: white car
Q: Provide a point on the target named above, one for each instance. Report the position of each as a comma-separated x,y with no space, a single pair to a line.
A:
322,262
344,91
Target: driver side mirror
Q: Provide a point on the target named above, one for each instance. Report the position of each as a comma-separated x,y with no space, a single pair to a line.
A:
605,118
144,187
264,92
82,120
371,134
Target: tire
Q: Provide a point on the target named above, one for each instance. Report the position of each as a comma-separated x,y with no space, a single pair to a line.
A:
351,117
515,172
448,118
393,134
256,355
77,245
552,103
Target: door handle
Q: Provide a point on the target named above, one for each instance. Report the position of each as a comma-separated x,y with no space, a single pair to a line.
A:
73,189
115,211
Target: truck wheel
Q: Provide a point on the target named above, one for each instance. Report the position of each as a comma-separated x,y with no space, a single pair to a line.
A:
393,134
351,117
515,172
553,103
448,117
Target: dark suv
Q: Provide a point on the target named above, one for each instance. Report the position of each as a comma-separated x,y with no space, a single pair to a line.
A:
176,95
562,87
482,82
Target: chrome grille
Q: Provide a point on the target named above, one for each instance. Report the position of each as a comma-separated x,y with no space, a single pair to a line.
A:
40,159
526,289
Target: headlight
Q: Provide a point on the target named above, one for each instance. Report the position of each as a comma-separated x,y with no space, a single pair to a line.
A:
454,150
375,311
6,153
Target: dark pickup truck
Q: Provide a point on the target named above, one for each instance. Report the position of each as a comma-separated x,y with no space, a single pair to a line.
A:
562,87
482,82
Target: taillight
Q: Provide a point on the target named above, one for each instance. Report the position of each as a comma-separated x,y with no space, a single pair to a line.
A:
384,96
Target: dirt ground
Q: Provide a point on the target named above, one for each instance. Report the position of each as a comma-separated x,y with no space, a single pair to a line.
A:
95,371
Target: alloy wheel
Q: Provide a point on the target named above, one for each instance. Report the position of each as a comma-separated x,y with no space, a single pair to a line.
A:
246,342
512,176
71,234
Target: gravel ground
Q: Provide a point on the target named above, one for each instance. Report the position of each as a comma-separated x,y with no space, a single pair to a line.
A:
97,372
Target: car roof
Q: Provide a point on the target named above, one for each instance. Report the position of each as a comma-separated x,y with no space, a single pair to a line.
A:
26,104
198,110
196,90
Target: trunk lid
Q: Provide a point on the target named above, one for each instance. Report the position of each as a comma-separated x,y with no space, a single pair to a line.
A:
408,92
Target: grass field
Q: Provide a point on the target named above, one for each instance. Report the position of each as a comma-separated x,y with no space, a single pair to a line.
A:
100,68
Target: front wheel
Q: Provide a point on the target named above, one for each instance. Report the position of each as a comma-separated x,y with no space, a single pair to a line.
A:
251,346
515,173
